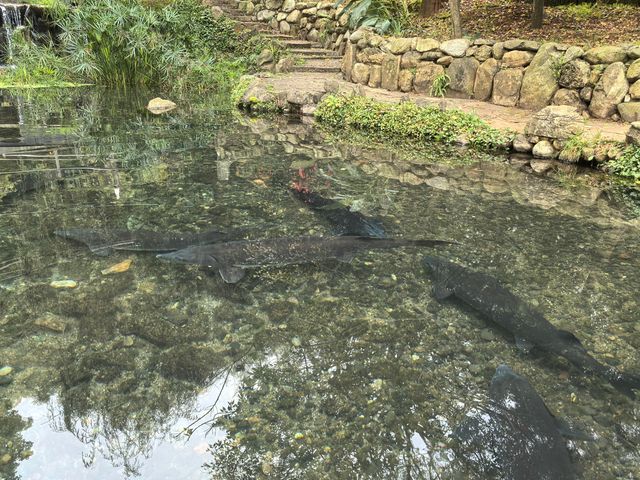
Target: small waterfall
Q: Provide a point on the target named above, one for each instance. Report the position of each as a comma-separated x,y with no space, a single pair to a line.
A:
11,19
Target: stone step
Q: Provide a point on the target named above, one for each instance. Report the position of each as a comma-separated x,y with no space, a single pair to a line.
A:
280,37
314,52
323,65
298,44
257,26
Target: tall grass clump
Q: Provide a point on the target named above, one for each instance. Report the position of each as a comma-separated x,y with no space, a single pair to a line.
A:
126,42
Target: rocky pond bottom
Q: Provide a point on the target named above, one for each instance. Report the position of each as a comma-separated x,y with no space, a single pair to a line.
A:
128,366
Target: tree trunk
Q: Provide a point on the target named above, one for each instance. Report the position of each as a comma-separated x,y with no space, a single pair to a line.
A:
430,7
455,18
538,13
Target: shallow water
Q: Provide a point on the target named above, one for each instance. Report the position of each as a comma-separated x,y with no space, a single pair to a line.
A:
329,370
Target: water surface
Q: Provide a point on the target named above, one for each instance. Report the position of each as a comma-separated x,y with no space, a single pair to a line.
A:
329,370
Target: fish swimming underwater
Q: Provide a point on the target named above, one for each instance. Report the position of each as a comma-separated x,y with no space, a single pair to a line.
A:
343,221
528,326
515,436
231,259
104,242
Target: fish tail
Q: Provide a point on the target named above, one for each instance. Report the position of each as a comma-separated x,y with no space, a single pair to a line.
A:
624,382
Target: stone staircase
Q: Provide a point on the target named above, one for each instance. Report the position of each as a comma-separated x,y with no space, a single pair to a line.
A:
309,56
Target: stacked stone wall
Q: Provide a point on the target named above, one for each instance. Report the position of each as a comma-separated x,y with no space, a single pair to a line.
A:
317,22
603,82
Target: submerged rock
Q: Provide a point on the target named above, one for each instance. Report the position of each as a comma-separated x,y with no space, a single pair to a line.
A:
64,284
159,105
118,267
52,322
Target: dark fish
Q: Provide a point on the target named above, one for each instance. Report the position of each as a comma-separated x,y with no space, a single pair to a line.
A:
231,259
341,218
26,184
104,242
515,436
528,326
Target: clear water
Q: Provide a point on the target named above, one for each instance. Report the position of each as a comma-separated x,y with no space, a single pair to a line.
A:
316,371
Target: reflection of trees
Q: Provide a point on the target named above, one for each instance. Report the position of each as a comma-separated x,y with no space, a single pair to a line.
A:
13,448
333,409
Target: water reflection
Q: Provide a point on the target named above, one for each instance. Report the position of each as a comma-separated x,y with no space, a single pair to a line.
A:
62,445
332,369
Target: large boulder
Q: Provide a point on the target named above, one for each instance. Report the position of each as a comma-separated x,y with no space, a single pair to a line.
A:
426,45
370,55
456,47
517,58
462,72
360,73
390,72
410,59
575,74
566,96
572,53
544,149
483,53
558,122
634,91
522,45
506,87
398,46
348,60
630,111
159,105
405,80
609,91
484,79
605,55
633,135
375,76
633,72
539,83
426,73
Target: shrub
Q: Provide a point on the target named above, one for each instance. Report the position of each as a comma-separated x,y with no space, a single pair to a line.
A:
628,164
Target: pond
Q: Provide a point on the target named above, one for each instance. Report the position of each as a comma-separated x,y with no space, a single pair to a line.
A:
322,370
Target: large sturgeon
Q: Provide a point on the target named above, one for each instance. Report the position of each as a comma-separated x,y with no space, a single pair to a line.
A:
231,259
528,326
515,436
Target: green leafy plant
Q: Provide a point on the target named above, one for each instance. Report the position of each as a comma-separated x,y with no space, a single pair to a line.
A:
440,85
179,44
383,15
628,164
408,120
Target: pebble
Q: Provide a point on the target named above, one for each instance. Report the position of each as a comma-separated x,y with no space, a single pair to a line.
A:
487,335
118,267
64,284
52,322
4,371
